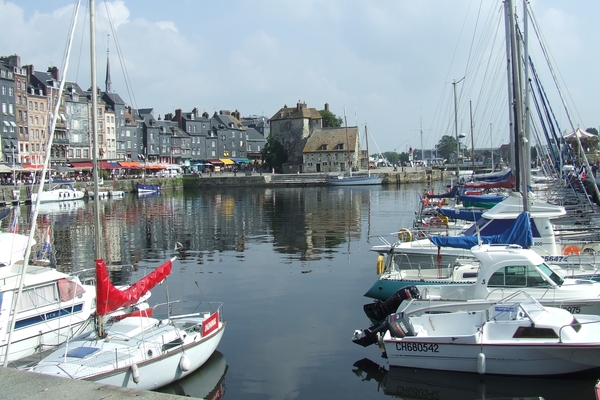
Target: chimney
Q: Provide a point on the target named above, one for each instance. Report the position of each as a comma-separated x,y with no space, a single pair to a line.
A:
326,106
195,111
54,72
205,114
179,118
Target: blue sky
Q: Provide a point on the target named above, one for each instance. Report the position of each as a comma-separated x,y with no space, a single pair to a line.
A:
390,64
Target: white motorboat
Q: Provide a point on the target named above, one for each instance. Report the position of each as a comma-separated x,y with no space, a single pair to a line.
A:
53,306
60,192
504,270
509,337
575,258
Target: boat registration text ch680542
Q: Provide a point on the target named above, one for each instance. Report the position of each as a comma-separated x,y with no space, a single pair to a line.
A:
420,347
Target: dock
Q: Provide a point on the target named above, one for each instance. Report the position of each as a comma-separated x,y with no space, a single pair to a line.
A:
23,385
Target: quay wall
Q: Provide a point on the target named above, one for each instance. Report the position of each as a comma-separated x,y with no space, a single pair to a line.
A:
22,194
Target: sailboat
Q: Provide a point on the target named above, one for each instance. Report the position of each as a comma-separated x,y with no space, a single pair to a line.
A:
350,180
139,351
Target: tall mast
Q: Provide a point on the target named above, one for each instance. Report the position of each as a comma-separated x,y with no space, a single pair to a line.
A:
98,238
347,143
367,145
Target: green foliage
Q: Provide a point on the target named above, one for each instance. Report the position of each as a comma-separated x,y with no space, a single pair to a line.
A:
273,154
330,120
404,157
592,130
391,156
446,146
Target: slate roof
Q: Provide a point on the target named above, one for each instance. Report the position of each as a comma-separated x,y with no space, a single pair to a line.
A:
296,112
332,137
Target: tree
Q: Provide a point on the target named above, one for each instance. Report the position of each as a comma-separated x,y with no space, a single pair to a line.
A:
391,156
330,120
273,154
446,146
592,130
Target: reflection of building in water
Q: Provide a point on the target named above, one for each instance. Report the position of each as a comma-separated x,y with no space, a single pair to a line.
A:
311,222
111,230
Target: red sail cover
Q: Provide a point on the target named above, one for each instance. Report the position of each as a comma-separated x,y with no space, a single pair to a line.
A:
508,183
109,298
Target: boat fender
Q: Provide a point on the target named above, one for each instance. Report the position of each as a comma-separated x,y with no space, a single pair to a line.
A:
481,363
184,363
380,265
135,373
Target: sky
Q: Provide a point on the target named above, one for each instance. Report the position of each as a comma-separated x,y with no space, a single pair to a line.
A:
396,66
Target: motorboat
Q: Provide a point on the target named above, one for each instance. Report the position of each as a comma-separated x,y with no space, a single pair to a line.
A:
513,336
504,270
60,192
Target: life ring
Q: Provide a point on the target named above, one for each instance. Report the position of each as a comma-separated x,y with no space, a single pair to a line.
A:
435,222
572,251
404,235
380,265
426,201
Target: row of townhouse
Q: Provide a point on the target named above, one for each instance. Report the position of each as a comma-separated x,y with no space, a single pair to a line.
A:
29,97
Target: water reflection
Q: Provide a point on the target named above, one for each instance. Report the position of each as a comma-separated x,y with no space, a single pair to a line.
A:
206,383
298,223
410,383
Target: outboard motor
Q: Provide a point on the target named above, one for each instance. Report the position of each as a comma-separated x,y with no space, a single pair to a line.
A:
369,336
379,310
398,324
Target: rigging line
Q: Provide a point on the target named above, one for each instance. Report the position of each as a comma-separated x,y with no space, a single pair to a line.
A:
39,193
120,55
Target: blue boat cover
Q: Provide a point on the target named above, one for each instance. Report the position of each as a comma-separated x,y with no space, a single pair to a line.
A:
481,199
465,215
451,193
520,234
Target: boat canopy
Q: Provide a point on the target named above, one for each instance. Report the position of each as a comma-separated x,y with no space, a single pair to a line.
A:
520,233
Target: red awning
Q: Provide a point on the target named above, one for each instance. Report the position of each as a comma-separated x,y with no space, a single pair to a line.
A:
155,167
130,164
107,165
82,164
215,162
32,166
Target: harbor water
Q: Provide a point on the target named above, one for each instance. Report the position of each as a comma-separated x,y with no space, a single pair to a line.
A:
291,266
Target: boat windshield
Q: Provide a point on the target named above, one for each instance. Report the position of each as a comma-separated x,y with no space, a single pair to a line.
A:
553,276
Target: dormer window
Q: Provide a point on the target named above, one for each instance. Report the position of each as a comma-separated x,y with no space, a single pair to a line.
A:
340,146
323,147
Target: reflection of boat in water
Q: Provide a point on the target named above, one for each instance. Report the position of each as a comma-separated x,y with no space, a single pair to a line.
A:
410,383
207,383
145,195
60,207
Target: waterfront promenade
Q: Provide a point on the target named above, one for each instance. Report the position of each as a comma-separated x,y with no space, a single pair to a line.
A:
21,194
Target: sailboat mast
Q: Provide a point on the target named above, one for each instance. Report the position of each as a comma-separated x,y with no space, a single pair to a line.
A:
368,156
347,144
95,149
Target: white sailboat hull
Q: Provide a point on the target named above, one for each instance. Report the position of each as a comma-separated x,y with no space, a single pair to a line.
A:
139,352
155,374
